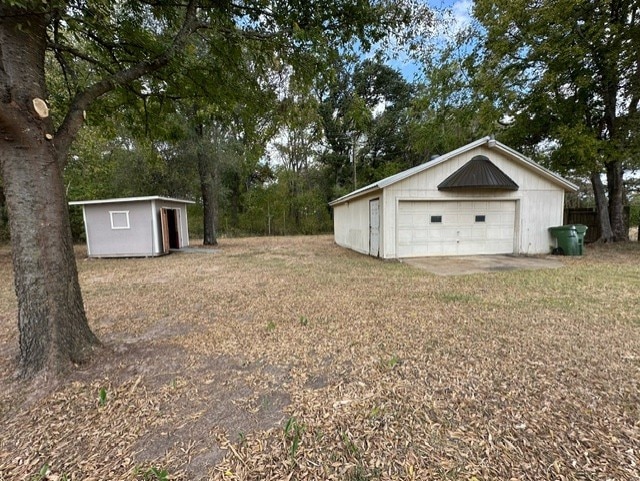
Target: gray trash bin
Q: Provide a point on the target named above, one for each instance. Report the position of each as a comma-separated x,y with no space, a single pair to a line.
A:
581,231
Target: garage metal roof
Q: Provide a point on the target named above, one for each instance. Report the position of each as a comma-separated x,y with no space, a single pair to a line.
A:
478,173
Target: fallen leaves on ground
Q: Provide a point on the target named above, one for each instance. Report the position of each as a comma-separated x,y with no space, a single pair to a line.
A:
292,359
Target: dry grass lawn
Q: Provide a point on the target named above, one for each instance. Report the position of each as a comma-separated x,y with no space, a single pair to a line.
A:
292,359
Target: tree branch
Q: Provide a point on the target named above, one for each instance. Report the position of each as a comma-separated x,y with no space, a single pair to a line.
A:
59,49
75,116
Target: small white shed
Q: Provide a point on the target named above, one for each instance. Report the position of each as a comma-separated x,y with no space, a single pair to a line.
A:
134,226
483,198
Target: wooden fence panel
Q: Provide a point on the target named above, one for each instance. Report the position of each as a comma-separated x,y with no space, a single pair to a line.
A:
589,217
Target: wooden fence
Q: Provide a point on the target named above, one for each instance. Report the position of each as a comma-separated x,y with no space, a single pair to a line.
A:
589,217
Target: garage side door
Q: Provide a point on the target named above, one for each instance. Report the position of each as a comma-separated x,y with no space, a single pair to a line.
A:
441,228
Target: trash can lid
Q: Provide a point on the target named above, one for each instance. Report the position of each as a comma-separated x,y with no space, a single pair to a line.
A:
561,228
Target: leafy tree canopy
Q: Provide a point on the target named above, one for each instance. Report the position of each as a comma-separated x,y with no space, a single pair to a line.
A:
137,49
567,72
566,65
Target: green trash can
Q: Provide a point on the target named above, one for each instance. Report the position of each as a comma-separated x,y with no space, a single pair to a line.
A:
566,240
581,231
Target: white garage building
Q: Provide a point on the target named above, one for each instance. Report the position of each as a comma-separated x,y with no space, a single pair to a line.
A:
483,198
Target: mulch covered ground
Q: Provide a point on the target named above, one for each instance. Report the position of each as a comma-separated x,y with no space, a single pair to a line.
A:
294,359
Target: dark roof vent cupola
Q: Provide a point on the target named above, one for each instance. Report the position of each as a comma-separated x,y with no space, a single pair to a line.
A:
478,173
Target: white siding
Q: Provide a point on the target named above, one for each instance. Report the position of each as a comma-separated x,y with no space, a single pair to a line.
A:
524,216
141,238
540,210
105,241
540,201
351,224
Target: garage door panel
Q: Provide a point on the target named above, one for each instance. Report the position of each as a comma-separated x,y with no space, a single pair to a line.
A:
466,249
420,235
458,233
435,249
498,233
404,236
466,219
466,234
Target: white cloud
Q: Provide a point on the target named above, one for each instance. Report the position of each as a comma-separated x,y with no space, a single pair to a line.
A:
455,16
462,13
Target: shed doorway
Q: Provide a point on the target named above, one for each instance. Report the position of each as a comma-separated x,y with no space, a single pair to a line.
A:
170,222
374,227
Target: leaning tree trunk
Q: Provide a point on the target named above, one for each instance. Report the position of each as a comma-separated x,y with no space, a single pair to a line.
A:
606,234
615,185
51,319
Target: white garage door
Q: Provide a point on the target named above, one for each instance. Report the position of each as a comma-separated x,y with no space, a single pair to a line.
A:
442,228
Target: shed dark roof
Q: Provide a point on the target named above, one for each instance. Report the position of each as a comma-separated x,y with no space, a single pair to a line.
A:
478,173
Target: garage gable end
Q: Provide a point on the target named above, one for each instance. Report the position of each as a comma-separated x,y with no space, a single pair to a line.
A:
478,173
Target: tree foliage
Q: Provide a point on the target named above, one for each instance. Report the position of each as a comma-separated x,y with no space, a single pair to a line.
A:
449,108
365,116
138,51
567,72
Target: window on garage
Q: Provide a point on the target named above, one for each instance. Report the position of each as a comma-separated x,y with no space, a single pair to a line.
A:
436,219
480,218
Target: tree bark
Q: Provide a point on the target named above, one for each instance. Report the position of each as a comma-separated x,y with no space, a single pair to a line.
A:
615,186
4,220
53,327
207,174
606,234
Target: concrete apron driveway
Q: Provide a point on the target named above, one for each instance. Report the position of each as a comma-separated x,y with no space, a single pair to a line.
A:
453,266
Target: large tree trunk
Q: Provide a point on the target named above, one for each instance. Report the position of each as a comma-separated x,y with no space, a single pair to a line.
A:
4,221
207,173
615,186
606,234
53,327
52,323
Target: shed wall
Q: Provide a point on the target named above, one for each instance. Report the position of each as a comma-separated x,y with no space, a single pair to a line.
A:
104,241
143,237
351,223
